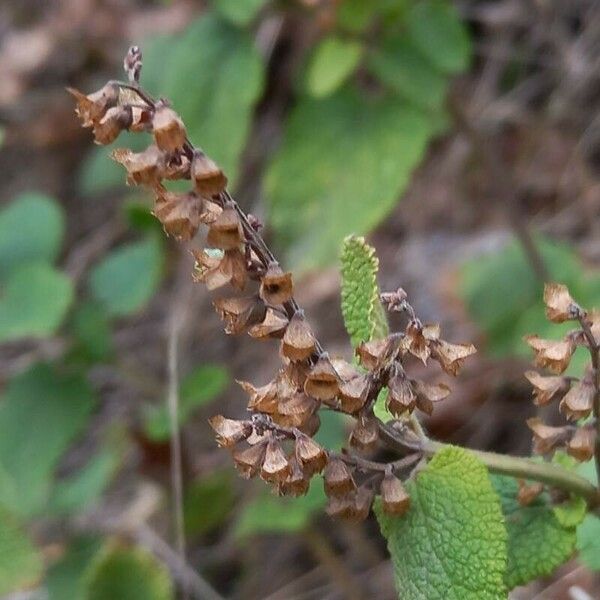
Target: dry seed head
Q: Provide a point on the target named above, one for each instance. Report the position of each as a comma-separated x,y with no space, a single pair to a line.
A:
340,508
394,497
272,326
142,167
365,434
168,128
401,397
551,354
226,231
310,455
276,286
180,214
528,492
262,399
311,425
361,505
545,437
560,306
345,370
90,109
115,120
322,381
578,402
298,341
452,356
296,409
275,468
428,394
208,178
296,483
369,353
418,339
338,480
249,460
239,313
581,445
229,431
546,388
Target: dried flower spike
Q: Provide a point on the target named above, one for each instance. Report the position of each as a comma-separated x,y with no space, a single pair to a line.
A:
546,388
560,306
90,109
581,445
395,500
272,326
249,460
276,286
298,341
180,214
226,231
337,478
168,128
579,400
207,176
365,434
275,468
229,431
550,354
545,437
116,119
322,381
310,455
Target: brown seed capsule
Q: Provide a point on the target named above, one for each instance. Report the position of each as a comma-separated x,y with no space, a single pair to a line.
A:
207,176
298,341
275,285
249,460
93,107
297,405
361,505
229,431
395,500
369,353
528,492
365,434
142,167
216,269
141,119
401,397
180,214
345,370
340,508
546,388
226,231
275,468
338,480
353,394
581,445
296,483
272,326
419,337
168,128
239,313
550,354
322,381
116,119
560,306
262,399
311,425
579,400
310,455
452,356
545,437
428,394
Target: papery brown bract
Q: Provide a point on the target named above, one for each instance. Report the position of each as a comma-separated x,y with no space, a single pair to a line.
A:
560,306
239,313
545,437
353,394
298,342
365,434
546,389
581,445
229,431
272,326
401,397
275,467
208,178
249,460
179,214
310,455
116,120
551,354
360,506
322,381
296,483
528,492
578,402
262,399
298,407
276,286
370,353
452,356
337,478
93,107
394,497
168,128
419,337
226,231
428,394
142,167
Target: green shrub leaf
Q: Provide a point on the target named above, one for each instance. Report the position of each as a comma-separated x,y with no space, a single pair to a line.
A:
31,229
41,412
239,13
451,545
588,542
537,542
343,163
34,302
127,573
125,280
332,62
208,502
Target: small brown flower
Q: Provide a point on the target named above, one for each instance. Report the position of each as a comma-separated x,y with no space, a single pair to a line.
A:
272,326
428,394
579,400
322,381
560,306
365,434
353,393
249,460
226,231
394,497
239,313
276,286
581,445
93,107
116,119
297,483
229,431
545,437
401,397
550,354
180,214
276,467
298,341
168,128
310,455
337,478
262,399
528,492
207,176
546,388
451,356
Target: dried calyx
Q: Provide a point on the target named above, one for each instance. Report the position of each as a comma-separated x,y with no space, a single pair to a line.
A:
276,442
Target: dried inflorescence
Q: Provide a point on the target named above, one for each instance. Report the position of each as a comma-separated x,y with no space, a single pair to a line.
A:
276,442
578,398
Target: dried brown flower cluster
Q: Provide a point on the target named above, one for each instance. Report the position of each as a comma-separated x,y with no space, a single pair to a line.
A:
578,397
276,442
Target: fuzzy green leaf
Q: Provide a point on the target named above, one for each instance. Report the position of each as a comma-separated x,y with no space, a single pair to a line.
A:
537,542
121,573
588,542
451,545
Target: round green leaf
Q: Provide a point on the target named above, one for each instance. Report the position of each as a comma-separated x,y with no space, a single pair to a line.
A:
239,13
588,542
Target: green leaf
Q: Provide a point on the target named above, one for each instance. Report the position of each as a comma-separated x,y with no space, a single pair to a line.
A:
199,388
208,503
343,163
41,413
537,542
121,573
571,512
358,15
91,330
588,542
239,13
31,229
451,545
34,302
435,28
398,64
21,565
332,62
126,279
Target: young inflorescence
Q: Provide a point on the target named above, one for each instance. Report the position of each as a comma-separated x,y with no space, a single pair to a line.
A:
276,441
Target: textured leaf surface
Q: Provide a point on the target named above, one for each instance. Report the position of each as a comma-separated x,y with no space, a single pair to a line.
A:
41,412
537,542
125,280
451,545
343,163
332,62
20,563
34,302
31,229
588,542
122,573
